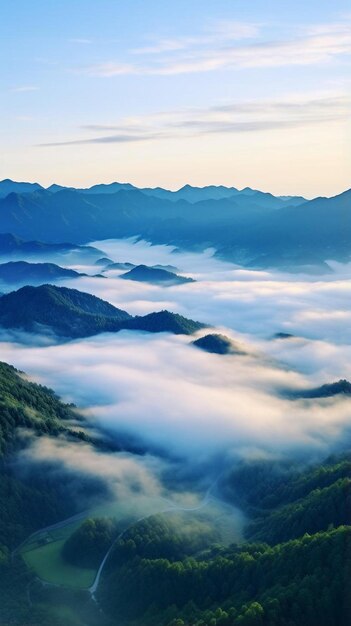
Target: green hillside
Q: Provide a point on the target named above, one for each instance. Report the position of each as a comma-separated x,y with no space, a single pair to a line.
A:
70,313
293,569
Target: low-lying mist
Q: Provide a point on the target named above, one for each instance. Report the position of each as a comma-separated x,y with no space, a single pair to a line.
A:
187,413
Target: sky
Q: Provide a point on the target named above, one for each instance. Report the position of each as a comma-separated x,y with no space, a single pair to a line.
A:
161,93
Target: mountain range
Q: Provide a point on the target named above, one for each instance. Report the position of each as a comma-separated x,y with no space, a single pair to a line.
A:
248,227
188,192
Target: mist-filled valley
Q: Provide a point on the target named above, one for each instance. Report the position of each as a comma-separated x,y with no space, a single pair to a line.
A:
192,465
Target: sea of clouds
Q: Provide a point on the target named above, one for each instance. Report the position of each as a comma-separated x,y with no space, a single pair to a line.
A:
190,411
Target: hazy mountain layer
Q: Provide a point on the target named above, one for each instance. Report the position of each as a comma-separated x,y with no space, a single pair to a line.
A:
34,273
252,229
13,246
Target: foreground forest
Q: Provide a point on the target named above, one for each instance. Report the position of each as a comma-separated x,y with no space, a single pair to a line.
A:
292,569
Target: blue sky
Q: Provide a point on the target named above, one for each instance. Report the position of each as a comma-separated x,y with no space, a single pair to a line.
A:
163,93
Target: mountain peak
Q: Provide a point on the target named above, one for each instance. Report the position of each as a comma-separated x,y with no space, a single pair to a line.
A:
155,275
218,344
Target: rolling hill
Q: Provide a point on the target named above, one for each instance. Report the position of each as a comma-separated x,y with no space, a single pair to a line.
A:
70,313
65,312
164,321
218,344
155,276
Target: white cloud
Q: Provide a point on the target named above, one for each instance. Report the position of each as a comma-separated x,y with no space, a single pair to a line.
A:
222,50
289,112
173,397
220,32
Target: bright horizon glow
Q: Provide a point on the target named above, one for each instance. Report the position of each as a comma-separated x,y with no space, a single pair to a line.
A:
238,94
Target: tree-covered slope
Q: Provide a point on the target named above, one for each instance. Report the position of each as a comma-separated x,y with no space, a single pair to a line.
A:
164,321
24,404
321,509
32,494
301,579
68,312
28,410
71,313
304,582
217,344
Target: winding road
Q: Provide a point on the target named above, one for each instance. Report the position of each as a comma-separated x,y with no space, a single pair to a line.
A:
170,506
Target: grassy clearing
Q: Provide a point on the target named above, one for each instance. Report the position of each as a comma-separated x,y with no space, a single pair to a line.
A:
48,564
42,552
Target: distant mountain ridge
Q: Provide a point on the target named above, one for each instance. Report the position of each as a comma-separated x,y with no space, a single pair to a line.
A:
188,192
10,186
251,228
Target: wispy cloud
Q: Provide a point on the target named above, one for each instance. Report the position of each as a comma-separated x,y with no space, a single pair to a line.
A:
219,33
234,117
120,138
223,49
24,88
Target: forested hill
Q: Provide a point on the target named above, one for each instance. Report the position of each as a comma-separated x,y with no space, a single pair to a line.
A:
70,313
26,405
28,410
33,494
293,570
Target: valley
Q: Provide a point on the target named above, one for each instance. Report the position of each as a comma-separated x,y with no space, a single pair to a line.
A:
182,462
